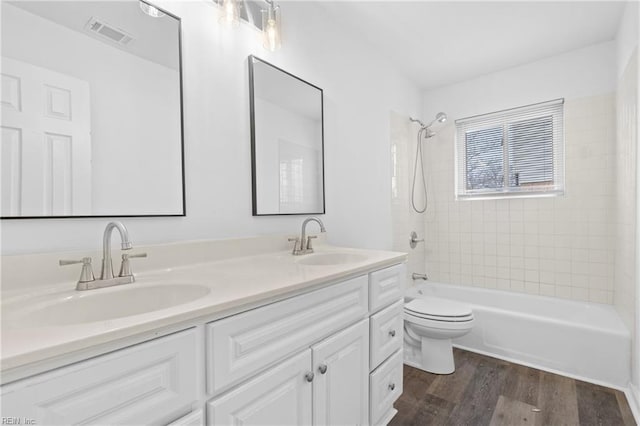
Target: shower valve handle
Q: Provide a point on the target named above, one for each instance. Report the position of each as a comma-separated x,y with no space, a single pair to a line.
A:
413,242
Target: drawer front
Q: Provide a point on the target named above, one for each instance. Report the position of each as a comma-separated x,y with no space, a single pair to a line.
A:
387,331
240,346
386,286
386,386
153,382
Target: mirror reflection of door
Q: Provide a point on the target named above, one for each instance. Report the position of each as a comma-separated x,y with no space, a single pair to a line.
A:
91,91
46,150
287,142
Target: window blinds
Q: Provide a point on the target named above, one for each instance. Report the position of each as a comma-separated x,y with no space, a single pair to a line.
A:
514,152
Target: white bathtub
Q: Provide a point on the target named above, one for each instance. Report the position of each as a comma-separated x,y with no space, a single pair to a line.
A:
584,340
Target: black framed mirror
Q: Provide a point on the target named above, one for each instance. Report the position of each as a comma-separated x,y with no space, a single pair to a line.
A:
92,122
287,142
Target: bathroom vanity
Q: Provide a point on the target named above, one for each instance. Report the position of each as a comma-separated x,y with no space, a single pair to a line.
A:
260,338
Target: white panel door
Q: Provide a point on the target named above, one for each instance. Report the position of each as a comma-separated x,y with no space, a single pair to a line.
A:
281,396
341,384
46,142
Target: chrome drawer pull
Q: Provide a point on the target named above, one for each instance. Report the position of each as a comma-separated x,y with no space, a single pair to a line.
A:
392,386
309,376
392,333
322,368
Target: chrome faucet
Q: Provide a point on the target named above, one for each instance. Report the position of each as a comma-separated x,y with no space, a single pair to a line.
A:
306,248
87,280
107,265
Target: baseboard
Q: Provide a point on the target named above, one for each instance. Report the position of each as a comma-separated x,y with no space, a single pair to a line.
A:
633,398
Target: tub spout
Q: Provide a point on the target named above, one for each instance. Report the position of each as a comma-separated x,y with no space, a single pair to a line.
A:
415,277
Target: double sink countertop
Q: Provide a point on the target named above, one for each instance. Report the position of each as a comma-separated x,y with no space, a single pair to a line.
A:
46,323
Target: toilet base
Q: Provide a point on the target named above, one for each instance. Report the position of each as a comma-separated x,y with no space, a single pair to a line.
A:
436,359
437,356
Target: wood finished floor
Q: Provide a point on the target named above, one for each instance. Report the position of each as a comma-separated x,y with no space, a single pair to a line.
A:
489,391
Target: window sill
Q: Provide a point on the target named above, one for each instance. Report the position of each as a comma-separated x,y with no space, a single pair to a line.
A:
508,195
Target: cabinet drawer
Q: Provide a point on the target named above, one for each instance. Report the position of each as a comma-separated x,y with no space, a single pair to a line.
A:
386,286
240,346
385,384
387,330
153,382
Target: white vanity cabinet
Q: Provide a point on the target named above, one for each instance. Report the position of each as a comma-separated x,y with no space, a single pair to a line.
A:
334,361
326,384
331,356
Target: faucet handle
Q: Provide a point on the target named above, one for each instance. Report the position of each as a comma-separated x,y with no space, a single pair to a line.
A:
295,242
125,266
86,275
309,245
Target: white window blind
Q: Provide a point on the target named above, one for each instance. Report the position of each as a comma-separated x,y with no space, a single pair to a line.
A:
516,152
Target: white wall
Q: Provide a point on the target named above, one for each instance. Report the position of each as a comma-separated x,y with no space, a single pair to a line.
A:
553,246
583,72
130,112
359,88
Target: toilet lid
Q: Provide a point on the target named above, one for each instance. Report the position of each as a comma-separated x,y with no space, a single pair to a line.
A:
435,307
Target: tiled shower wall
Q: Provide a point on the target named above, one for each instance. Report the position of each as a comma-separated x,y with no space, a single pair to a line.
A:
558,246
403,140
625,192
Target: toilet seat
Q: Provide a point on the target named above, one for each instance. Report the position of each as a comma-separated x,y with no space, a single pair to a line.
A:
436,309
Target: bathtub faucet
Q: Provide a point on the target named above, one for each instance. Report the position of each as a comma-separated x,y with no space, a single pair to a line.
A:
415,277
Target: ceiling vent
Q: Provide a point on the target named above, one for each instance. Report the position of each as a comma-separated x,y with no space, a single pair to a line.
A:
108,32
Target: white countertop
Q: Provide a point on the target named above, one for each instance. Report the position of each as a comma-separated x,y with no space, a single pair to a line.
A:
236,284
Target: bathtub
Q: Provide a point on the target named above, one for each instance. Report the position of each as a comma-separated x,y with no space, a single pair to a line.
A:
586,341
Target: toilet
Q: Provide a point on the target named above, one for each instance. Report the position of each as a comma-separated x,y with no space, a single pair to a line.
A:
430,324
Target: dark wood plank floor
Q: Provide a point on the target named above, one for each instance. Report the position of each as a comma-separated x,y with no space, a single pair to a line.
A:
489,391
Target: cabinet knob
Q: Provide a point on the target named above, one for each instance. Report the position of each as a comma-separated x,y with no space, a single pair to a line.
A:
322,368
392,386
309,376
392,333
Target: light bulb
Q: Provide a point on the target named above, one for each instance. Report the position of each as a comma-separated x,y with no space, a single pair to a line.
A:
271,28
151,10
230,13
272,34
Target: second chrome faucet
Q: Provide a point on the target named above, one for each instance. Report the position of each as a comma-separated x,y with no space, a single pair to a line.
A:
303,244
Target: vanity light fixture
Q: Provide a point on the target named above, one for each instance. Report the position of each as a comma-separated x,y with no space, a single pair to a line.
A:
230,13
271,26
150,10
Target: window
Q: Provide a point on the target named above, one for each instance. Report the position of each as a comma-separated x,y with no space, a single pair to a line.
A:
516,152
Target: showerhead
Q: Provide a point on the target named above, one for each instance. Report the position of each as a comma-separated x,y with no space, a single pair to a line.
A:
441,117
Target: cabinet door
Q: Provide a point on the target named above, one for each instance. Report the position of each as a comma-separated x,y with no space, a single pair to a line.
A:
281,396
341,384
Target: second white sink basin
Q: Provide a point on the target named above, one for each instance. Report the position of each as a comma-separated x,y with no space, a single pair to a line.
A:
101,305
334,258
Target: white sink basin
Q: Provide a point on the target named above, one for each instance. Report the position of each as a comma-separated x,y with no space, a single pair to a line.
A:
335,258
106,304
